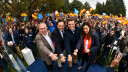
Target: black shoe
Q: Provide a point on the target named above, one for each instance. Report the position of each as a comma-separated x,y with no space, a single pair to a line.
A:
61,69
63,63
76,64
70,69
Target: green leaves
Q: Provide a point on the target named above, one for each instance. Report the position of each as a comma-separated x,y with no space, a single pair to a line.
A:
75,4
86,6
115,7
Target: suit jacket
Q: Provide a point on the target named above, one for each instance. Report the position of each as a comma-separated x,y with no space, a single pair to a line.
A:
16,38
70,39
109,40
21,33
28,39
59,41
44,48
33,29
93,48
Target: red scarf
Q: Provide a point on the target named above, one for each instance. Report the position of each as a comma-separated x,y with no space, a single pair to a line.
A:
89,44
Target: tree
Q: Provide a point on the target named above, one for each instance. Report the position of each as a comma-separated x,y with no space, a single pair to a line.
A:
122,8
86,6
115,7
55,4
16,7
75,4
99,8
66,6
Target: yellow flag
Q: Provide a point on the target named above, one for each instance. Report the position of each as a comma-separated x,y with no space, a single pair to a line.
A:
104,22
121,15
91,9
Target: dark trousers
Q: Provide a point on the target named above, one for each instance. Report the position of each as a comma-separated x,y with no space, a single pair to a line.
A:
105,52
32,46
49,67
85,57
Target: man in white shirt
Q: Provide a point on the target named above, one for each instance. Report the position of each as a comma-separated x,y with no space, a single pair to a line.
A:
45,45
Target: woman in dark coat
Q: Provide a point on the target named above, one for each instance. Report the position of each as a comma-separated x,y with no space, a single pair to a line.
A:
29,42
87,45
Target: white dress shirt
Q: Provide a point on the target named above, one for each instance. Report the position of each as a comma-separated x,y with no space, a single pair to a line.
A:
12,38
49,41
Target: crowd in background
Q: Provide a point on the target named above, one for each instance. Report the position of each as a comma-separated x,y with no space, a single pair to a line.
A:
73,38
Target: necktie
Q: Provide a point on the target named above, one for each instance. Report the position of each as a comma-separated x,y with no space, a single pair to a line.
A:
73,31
62,32
13,39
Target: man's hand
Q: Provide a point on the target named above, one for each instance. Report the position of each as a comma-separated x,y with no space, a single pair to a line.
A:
54,56
87,50
108,46
62,58
11,43
75,52
102,45
116,60
8,43
69,58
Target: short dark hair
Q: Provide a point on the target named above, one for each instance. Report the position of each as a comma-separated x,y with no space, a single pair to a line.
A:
60,20
70,19
26,28
113,29
77,23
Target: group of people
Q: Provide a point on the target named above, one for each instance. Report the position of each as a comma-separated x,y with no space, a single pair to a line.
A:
58,38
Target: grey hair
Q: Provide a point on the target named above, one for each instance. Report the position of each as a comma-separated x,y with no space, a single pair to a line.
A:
44,24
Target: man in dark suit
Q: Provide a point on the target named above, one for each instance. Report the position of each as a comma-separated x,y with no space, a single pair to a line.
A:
108,42
46,47
33,28
58,39
71,37
12,36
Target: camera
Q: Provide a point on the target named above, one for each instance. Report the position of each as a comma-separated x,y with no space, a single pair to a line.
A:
115,50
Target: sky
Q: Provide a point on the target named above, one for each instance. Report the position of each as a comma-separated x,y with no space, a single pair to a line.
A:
93,3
